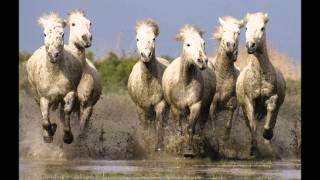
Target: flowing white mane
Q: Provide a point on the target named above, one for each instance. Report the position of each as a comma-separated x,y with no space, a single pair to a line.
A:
188,30
73,14
230,23
150,23
258,15
52,17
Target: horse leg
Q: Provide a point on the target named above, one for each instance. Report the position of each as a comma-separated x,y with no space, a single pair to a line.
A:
143,118
213,111
231,105
48,128
272,112
249,109
84,118
160,109
69,101
177,118
192,120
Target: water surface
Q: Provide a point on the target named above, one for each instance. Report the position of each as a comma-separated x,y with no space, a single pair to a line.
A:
158,169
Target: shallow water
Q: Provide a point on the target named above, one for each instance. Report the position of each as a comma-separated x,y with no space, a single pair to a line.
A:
158,169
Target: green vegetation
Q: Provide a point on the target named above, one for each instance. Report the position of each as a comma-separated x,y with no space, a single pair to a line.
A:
24,56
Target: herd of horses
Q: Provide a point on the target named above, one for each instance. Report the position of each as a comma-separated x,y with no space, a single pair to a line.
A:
192,86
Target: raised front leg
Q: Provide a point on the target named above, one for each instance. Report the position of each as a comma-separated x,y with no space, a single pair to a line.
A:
252,124
84,118
65,112
272,112
160,110
231,107
192,120
48,128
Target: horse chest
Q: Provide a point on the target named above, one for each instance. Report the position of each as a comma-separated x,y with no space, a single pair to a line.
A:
225,90
184,96
260,84
54,86
149,92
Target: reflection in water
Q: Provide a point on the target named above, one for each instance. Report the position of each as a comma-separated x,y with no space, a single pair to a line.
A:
175,168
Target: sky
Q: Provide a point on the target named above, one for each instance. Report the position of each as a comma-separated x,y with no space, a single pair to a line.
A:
113,22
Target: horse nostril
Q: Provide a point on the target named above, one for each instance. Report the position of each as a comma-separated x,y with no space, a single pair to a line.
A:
142,54
234,45
56,55
149,55
84,37
90,38
228,44
199,60
252,45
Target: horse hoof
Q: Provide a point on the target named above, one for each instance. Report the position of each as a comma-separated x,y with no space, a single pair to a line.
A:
267,134
188,152
67,137
53,128
253,151
48,139
50,128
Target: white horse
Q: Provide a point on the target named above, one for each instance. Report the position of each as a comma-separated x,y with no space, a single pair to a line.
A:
53,77
227,33
144,83
89,88
188,85
260,86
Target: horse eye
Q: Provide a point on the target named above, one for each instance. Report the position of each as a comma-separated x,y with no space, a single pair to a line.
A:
44,35
188,45
73,24
262,28
154,39
246,28
137,39
90,24
62,34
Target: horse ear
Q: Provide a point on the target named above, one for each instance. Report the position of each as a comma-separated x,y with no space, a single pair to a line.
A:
201,33
41,22
64,23
221,21
83,12
241,23
266,18
179,37
245,19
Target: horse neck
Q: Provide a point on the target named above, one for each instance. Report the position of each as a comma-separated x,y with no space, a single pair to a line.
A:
187,70
260,58
223,64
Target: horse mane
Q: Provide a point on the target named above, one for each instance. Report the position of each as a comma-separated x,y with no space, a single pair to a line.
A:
73,13
217,34
264,15
51,17
150,23
186,29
